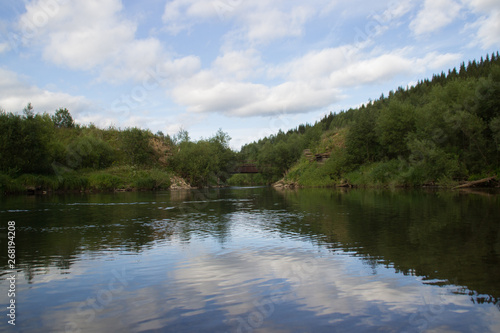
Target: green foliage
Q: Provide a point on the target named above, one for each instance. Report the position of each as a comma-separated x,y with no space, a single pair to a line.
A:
104,182
246,179
361,140
63,119
394,123
439,131
151,180
429,163
38,182
9,185
206,162
89,152
315,176
73,182
25,142
495,130
135,146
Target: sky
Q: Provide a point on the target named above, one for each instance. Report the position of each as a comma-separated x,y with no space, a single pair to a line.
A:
248,67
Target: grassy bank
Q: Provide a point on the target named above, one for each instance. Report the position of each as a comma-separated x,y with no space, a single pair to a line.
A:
393,173
126,178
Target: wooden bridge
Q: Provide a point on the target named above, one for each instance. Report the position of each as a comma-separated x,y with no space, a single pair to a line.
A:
246,168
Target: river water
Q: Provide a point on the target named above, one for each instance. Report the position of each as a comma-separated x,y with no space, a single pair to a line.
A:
254,260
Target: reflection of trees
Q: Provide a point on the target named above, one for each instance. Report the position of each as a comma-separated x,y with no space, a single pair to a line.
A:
438,235
53,231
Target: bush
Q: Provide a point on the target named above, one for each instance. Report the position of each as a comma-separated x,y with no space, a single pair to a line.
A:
151,180
38,182
104,182
161,179
135,145
9,185
73,182
89,152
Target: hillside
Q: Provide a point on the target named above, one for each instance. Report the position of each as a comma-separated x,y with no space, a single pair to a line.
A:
441,131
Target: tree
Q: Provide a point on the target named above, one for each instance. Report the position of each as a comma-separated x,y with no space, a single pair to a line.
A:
361,140
28,111
63,119
135,145
393,125
25,142
89,152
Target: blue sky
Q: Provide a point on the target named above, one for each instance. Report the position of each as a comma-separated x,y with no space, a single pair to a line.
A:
248,67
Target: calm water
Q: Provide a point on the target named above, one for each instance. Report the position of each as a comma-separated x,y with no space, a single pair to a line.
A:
255,260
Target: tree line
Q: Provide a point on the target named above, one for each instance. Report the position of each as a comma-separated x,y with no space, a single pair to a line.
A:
52,152
441,130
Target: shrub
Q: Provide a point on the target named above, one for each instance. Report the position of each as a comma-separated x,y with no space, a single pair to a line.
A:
9,185
39,182
151,180
89,152
104,182
73,182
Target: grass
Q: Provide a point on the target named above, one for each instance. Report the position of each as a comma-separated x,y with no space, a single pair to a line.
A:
118,177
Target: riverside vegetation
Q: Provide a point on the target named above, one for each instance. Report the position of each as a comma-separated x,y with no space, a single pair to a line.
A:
441,131
40,152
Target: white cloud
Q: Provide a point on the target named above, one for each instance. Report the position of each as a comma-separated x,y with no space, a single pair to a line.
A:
238,64
268,25
488,24
93,35
16,93
434,15
310,82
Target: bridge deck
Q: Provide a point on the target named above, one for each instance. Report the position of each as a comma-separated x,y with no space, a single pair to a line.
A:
246,168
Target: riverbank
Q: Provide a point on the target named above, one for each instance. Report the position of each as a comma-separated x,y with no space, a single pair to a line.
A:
119,179
290,183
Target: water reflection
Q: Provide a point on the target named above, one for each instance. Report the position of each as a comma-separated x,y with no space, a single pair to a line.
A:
258,260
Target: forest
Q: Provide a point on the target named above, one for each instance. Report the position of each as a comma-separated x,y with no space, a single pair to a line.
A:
441,131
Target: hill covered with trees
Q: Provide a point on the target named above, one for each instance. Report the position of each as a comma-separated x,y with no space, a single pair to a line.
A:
441,131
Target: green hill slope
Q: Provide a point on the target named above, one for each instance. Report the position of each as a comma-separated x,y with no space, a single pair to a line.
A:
441,131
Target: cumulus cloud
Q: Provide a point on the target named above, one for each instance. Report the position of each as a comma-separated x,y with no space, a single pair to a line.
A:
434,15
16,93
93,35
488,24
310,82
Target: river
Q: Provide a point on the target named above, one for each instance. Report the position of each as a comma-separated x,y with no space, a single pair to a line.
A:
254,260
